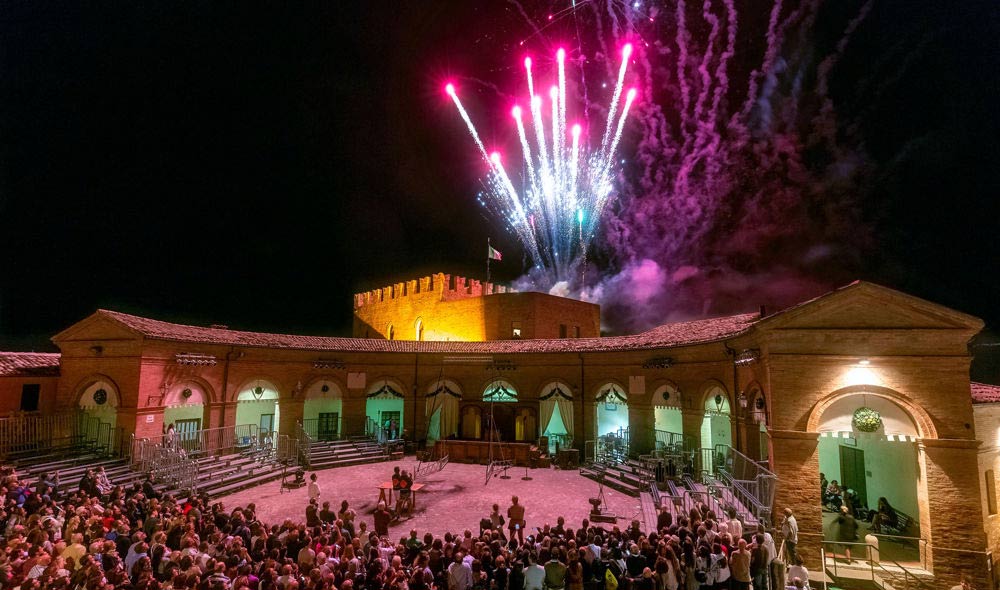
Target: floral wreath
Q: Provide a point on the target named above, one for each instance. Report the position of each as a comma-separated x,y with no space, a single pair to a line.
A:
867,419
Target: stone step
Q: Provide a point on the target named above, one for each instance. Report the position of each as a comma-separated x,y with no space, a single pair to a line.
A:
610,481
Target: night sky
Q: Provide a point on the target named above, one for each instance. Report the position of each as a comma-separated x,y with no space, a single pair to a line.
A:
255,166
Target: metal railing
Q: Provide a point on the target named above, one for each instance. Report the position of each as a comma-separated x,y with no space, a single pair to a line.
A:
166,464
910,579
303,443
285,450
218,441
311,426
35,434
371,427
731,467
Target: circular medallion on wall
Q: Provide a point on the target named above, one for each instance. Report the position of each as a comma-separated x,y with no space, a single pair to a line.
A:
100,397
187,393
325,388
867,419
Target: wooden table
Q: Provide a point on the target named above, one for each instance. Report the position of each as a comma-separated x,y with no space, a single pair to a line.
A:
386,486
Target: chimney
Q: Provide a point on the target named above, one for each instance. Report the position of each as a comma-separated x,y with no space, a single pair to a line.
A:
763,311
219,327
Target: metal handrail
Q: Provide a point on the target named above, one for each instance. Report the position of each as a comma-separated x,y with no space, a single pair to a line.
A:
218,441
872,564
304,445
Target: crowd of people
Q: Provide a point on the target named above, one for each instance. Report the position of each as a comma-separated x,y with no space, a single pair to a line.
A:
96,537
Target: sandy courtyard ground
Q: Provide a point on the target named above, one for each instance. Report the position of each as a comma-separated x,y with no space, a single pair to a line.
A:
452,500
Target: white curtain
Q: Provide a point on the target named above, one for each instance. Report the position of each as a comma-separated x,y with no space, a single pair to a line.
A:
566,412
546,408
448,404
449,415
433,404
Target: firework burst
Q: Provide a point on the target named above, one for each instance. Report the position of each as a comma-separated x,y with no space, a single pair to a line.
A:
566,184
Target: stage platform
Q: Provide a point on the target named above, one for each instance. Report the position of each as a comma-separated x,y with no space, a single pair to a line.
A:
451,500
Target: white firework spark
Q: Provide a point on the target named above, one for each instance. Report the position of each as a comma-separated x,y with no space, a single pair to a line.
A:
567,185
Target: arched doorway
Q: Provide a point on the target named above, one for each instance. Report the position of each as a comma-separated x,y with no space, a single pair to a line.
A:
257,405
472,422
525,425
555,407
716,426
384,407
441,409
667,419
99,412
499,415
758,438
323,410
612,410
185,409
868,447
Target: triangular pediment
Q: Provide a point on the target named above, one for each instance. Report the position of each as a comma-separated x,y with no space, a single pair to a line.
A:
863,305
97,326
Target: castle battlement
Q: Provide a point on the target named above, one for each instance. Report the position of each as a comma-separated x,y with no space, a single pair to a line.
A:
446,287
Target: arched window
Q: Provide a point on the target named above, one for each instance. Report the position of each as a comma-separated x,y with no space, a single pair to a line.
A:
390,332
418,329
499,391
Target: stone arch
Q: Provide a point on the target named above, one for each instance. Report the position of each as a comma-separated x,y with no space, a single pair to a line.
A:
249,382
442,398
668,418
84,386
717,423
322,407
602,388
756,398
385,407
263,411
675,398
490,384
612,411
556,409
336,384
885,463
708,390
921,419
204,388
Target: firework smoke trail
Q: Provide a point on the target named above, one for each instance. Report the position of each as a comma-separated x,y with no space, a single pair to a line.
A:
719,178
626,53
567,188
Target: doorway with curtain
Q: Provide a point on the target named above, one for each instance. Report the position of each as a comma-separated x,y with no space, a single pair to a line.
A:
555,407
441,411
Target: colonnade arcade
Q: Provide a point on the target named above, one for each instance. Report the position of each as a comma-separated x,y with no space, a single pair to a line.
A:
445,407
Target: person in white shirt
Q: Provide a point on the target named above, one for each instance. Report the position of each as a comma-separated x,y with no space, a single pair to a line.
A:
459,574
534,575
797,571
790,530
735,526
313,488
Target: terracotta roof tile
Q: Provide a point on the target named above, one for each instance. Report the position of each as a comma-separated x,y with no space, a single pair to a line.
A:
29,364
669,335
984,393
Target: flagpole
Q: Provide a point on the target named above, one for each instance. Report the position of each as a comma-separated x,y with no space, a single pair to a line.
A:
488,256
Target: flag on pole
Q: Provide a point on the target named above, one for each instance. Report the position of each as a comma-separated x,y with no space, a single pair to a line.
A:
493,254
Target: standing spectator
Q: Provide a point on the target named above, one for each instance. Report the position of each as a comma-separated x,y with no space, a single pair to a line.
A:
314,492
515,520
460,574
759,562
534,574
382,519
790,531
739,564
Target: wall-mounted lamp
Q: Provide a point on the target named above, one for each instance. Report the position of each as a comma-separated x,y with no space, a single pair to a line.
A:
864,362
